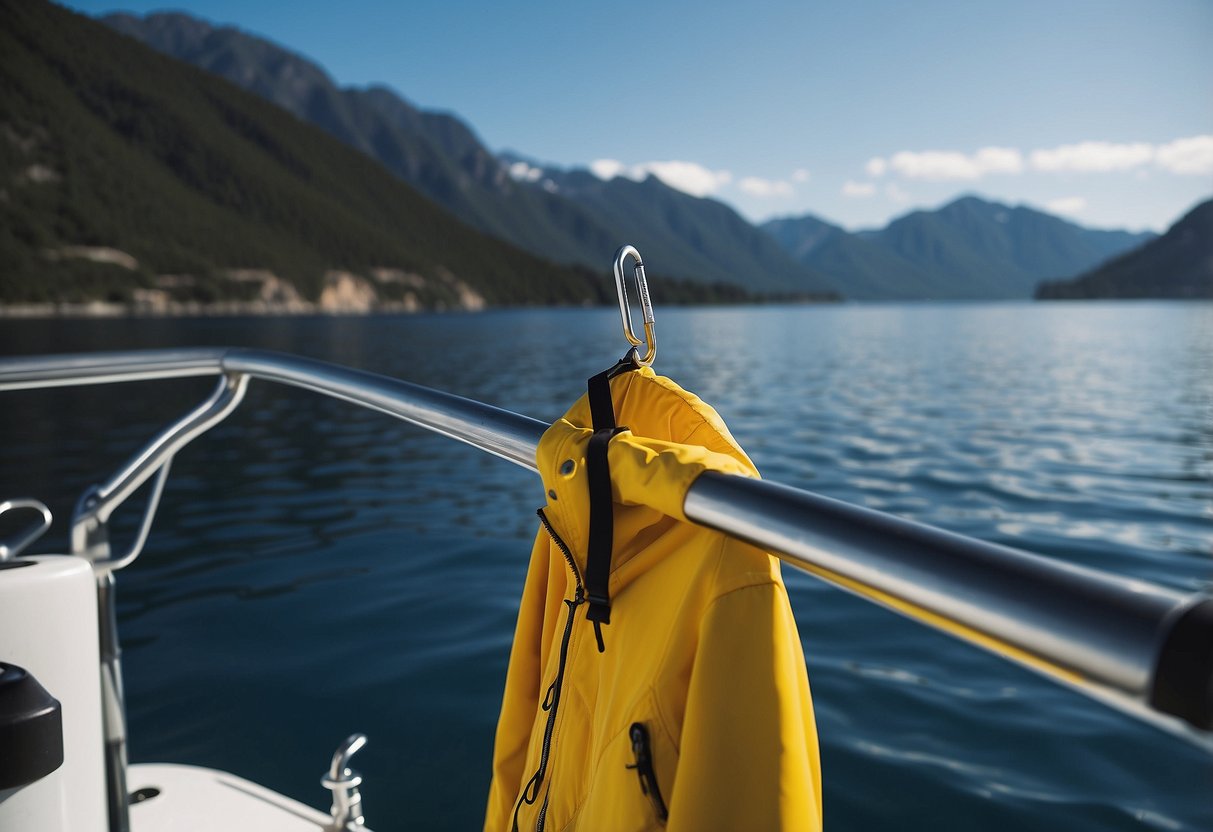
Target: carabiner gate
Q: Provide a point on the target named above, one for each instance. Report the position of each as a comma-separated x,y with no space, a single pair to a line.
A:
646,305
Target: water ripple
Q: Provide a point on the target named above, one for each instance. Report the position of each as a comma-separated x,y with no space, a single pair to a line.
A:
317,569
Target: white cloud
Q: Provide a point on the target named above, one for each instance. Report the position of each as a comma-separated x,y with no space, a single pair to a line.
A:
523,172
800,175
1067,205
934,164
999,160
1193,155
858,189
1093,157
895,193
937,165
607,169
766,188
689,177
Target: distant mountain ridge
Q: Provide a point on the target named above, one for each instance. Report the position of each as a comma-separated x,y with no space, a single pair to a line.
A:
435,152
968,249
444,159
136,178
706,235
861,269
1178,265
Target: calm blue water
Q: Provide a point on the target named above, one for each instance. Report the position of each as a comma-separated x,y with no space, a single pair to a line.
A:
316,569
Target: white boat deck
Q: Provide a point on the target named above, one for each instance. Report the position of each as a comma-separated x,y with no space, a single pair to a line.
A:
194,799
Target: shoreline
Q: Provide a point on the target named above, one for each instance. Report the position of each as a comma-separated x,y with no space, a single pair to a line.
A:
100,310
104,309
222,309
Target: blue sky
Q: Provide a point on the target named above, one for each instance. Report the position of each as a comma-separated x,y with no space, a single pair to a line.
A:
857,112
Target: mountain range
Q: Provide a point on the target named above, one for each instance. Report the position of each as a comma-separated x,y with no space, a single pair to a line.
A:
1178,265
706,237
443,158
136,178
970,248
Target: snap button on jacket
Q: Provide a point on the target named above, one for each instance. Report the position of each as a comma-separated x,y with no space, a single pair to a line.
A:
701,650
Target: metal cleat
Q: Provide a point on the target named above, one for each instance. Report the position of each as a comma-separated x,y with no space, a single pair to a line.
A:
343,782
9,549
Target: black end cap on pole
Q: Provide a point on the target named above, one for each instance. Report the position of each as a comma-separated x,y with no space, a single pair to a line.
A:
1183,676
31,729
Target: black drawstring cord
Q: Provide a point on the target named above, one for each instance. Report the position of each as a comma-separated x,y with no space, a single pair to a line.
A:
551,699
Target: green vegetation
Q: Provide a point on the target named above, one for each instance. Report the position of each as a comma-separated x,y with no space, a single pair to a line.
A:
567,216
110,151
434,152
1177,265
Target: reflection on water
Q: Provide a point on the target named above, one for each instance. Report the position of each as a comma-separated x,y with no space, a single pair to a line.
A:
317,569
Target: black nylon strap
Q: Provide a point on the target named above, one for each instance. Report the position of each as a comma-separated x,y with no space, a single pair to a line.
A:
602,408
602,532
602,516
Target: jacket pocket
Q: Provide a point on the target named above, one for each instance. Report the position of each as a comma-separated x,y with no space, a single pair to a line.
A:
646,773
617,800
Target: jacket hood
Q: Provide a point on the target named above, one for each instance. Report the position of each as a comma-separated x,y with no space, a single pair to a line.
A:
671,437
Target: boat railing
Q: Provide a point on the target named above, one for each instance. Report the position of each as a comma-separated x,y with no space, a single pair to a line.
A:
1137,646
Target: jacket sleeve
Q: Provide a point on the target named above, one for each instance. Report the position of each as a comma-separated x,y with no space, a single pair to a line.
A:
748,756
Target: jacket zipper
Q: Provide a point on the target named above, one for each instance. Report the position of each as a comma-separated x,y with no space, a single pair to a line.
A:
643,752
551,700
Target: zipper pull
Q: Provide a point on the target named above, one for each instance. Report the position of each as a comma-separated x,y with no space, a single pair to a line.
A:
644,768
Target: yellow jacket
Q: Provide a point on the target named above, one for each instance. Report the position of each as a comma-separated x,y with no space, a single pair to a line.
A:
701,649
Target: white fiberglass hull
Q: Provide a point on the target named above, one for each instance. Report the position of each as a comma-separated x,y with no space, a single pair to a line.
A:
194,799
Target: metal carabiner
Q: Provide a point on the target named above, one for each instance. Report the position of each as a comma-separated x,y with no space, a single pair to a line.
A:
646,305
